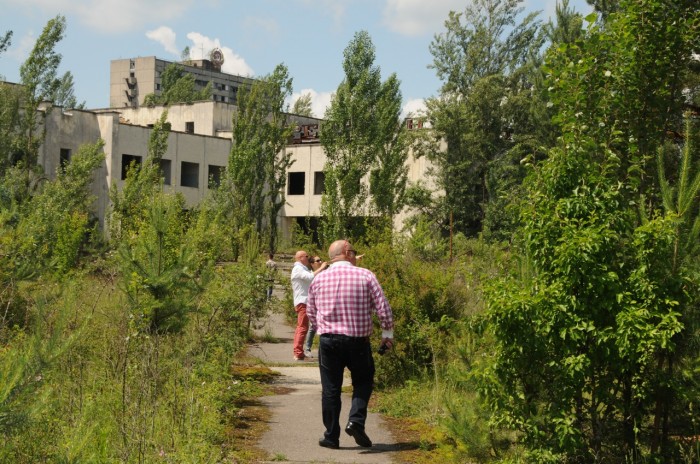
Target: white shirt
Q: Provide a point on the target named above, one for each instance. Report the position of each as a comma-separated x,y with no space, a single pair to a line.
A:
301,279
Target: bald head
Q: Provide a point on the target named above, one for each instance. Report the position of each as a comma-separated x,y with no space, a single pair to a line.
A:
302,257
341,250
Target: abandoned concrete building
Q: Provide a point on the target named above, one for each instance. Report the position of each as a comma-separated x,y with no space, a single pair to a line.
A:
199,145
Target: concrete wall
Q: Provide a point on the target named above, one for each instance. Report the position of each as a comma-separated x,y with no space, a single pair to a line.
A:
208,117
71,129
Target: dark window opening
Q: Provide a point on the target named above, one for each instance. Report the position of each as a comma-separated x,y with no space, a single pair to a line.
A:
189,127
190,175
129,162
215,173
295,183
319,183
165,169
64,157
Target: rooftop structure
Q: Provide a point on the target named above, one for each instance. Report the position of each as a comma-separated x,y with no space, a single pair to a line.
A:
131,79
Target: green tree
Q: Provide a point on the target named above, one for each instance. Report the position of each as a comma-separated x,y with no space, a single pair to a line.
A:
257,167
10,98
568,26
38,75
141,184
488,111
177,87
185,54
605,7
54,224
588,365
360,125
65,94
5,41
389,174
302,106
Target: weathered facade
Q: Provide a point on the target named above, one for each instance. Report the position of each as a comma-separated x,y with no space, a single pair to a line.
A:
199,145
131,79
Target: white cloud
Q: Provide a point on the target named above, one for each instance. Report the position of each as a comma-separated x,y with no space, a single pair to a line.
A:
166,37
113,16
419,17
233,62
414,108
319,101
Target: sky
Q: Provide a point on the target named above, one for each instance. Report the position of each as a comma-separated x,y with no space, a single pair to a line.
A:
308,36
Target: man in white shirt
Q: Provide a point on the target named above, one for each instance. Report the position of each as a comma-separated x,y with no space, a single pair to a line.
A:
301,277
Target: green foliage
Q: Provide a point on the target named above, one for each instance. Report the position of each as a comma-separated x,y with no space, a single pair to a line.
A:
159,279
254,182
568,27
5,41
39,84
25,370
65,94
362,134
85,387
208,234
388,179
426,297
489,112
52,226
142,183
588,339
177,87
10,134
302,106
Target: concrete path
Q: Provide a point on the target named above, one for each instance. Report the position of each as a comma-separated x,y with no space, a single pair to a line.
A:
296,426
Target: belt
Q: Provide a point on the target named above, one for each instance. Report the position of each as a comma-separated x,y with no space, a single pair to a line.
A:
345,337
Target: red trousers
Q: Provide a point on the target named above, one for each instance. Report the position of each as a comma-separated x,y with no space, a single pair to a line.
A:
302,329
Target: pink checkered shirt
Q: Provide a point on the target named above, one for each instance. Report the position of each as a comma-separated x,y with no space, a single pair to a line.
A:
342,300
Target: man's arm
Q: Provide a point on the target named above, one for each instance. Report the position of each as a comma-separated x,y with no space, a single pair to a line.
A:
300,273
383,311
311,308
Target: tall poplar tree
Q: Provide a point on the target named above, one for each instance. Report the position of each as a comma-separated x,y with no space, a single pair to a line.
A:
38,75
389,174
361,134
257,167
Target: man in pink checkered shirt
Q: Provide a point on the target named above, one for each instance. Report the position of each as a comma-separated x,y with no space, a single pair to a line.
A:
340,305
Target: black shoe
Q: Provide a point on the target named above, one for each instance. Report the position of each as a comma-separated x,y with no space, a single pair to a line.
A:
357,432
326,443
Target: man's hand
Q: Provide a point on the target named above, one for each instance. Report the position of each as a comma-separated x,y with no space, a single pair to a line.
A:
387,344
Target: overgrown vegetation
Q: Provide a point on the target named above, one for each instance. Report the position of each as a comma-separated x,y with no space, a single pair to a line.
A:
556,321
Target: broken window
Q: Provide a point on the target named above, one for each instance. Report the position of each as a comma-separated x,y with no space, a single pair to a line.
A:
189,127
165,168
319,182
215,173
295,183
64,157
129,162
190,175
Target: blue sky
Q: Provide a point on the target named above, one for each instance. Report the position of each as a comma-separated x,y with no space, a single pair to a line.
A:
308,36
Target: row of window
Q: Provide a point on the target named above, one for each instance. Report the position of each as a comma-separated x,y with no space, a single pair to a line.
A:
189,173
296,183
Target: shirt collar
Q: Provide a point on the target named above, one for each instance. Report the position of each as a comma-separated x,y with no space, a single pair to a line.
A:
342,263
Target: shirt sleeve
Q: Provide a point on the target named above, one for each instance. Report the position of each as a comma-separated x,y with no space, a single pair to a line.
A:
298,272
311,308
381,307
